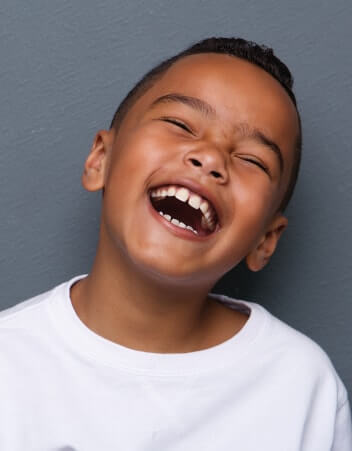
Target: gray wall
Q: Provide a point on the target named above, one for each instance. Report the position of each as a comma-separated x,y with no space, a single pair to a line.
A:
65,65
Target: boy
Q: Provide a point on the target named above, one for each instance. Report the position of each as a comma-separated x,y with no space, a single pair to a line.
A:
196,171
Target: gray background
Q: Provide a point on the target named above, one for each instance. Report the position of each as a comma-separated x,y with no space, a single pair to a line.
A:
64,67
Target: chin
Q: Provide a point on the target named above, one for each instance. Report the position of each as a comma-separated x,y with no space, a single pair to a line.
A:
167,269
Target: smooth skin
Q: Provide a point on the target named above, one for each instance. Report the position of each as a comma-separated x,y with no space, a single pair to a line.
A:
148,287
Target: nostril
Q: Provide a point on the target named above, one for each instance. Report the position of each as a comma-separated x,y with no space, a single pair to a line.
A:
215,174
196,162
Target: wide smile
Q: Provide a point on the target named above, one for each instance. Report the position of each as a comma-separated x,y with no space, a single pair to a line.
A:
185,212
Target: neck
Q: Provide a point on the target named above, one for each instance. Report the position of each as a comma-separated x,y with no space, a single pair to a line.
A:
128,306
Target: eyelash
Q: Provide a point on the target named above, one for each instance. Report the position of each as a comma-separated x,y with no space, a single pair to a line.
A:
257,163
187,129
178,124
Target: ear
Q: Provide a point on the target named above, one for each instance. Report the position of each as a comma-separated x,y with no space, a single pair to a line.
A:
96,165
260,256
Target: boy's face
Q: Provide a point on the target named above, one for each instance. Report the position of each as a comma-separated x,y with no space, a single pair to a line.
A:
234,144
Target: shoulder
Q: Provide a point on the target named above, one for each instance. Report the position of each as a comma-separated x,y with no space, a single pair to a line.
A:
29,319
30,334
295,357
279,337
25,327
29,311
23,334
24,311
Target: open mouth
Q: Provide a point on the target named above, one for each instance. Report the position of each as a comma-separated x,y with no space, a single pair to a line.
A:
185,209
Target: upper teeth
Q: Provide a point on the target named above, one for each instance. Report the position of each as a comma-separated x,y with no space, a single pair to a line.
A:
194,200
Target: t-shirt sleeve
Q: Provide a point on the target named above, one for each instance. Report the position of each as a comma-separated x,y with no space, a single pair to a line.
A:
343,429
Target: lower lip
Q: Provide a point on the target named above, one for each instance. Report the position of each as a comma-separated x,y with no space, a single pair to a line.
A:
182,233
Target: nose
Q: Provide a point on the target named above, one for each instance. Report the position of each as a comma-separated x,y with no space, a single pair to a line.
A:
210,161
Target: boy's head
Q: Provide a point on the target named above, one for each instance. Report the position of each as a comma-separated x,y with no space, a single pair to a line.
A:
259,55
220,120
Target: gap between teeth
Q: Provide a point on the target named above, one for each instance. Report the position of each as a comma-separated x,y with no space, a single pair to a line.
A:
177,223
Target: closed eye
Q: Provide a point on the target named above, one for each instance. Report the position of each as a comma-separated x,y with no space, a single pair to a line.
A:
257,163
178,124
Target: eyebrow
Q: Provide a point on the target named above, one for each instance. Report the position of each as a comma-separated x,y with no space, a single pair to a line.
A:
197,104
246,131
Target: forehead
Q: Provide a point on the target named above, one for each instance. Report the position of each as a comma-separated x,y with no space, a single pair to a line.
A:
231,85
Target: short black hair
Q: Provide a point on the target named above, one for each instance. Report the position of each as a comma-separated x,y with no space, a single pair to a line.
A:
250,51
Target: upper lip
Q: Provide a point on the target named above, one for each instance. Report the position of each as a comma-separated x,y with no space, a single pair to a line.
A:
197,188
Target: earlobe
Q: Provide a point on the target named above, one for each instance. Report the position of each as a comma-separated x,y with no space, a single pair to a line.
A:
260,255
95,167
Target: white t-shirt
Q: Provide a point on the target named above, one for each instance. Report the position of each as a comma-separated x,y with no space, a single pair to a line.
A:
65,388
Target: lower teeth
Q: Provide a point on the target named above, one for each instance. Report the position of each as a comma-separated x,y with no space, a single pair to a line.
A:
177,223
206,225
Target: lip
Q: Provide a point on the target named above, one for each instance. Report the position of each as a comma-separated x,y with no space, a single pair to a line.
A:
182,233
197,189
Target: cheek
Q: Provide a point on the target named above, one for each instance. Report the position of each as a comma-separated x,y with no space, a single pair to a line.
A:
134,161
144,150
253,200
253,191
